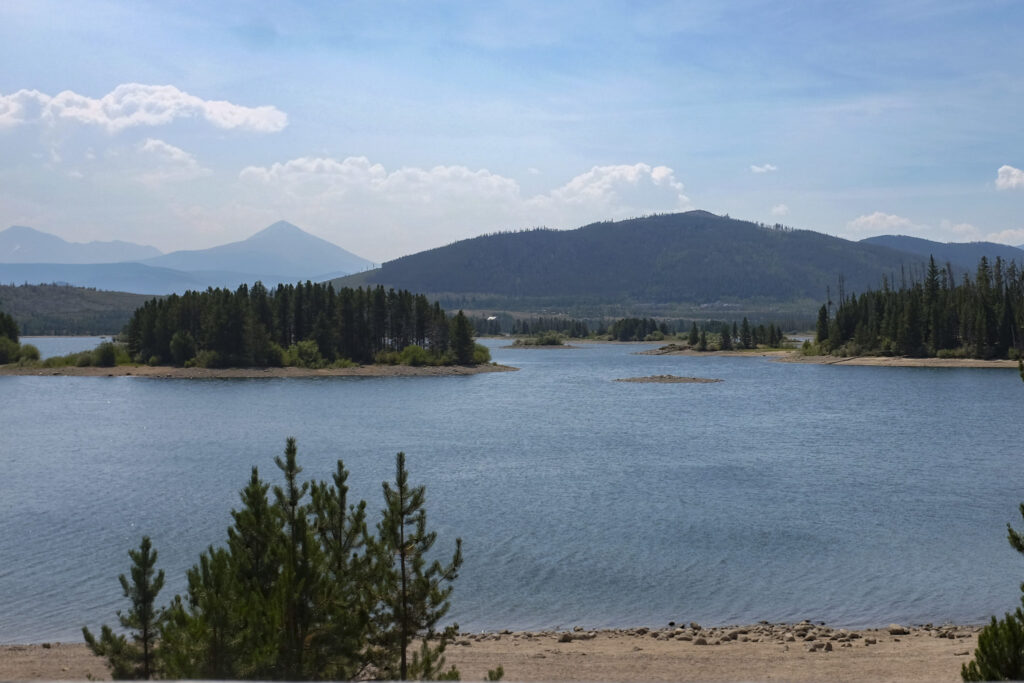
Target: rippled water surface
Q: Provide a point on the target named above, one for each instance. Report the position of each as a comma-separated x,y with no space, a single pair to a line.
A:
856,496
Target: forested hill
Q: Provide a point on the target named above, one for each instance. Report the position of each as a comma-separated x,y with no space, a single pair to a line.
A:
686,257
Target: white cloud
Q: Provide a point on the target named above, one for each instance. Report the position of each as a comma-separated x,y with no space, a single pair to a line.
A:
173,164
1014,237
135,104
764,168
423,208
881,223
1009,178
780,210
960,231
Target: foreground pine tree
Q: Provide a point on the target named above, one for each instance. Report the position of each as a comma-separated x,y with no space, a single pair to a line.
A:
134,659
413,595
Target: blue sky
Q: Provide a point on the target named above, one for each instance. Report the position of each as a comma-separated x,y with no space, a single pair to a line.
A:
392,127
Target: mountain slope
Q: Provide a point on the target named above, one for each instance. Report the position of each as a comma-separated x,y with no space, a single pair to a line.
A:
19,244
279,251
60,309
687,257
961,254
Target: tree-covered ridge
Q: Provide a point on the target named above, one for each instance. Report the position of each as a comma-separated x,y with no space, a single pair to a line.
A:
684,257
67,310
981,317
309,324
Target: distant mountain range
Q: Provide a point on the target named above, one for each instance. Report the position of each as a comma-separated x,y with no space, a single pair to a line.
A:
647,263
961,254
19,244
279,253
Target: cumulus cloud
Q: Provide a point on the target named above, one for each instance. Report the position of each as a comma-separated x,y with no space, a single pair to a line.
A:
1009,178
878,223
135,104
171,164
1014,237
780,210
445,203
764,168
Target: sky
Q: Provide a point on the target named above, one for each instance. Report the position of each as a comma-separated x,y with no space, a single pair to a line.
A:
393,127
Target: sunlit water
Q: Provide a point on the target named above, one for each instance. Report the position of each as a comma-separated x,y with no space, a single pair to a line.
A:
856,496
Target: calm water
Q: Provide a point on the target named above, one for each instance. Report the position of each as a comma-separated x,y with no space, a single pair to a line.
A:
856,496
62,346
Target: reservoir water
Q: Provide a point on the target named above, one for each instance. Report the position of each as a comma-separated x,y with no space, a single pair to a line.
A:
852,495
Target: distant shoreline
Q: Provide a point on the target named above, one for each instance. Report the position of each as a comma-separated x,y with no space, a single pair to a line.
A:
167,372
784,356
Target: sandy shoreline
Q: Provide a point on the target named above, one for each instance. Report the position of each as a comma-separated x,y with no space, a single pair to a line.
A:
168,372
792,652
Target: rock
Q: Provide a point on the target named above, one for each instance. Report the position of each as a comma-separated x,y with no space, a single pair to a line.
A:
577,629
694,625
897,630
565,638
813,647
700,641
870,641
828,647
961,654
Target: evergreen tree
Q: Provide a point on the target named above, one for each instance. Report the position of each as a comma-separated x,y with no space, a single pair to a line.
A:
821,329
413,595
462,339
135,659
725,343
702,343
746,336
694,335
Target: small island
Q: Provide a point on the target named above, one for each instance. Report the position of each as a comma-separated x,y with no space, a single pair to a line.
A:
669,379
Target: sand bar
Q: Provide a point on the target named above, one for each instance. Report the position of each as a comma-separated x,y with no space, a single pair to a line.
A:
761,652
230,373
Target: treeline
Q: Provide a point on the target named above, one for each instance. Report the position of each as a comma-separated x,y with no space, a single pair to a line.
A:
937,316
304,588
305,324
627,329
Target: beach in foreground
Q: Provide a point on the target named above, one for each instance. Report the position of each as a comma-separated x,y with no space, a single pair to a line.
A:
227,373
762,652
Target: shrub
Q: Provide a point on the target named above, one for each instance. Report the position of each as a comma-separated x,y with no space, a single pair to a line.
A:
29,352
104,355
414,355
84,359
304,354
481,354
9,350
206,359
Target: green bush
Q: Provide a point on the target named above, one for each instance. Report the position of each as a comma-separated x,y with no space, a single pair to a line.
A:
29,353
304,354
481,354
206,359
9,351
105,355
414,355
84,359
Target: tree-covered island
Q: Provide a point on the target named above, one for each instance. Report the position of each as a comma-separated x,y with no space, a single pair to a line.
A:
307,325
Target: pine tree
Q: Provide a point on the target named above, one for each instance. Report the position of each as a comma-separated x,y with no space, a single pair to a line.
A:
746,336
462,339
135,659
694,335
413,595
725,343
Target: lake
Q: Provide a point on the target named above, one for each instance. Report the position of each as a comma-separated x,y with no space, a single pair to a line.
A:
858,496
